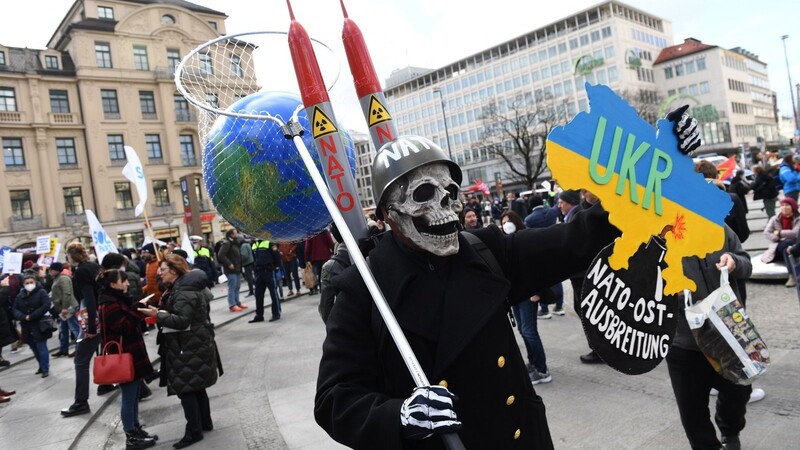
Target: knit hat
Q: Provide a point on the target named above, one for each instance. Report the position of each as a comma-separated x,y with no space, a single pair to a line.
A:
57,266
29,263
791,202
570,196
149,248
27,275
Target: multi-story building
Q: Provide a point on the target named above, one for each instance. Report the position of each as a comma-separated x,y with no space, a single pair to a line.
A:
611,43
105,80
365,153
728,91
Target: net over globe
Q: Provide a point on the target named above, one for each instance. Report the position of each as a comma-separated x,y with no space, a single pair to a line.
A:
255,176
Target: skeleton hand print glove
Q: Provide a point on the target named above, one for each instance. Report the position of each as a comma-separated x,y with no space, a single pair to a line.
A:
685,128
429,410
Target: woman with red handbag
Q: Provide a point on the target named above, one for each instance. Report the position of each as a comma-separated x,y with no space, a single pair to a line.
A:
120,323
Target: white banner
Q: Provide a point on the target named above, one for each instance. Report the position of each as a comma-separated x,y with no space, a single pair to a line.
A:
12,263
43,244
102,243
186,245
134,172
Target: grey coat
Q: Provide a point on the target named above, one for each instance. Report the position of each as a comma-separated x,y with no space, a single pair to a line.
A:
189,355
61,293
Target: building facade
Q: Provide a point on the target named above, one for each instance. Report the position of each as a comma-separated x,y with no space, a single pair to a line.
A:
611,43
365,153
728,91
104,81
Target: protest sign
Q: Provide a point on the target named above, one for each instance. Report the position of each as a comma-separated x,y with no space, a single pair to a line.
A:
43,244
12,262
3,251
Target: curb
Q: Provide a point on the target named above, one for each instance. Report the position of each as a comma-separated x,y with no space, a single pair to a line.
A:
113,395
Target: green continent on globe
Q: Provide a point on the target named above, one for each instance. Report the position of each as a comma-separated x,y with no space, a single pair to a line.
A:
247,193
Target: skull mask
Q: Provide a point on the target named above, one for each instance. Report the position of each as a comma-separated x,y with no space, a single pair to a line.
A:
424,206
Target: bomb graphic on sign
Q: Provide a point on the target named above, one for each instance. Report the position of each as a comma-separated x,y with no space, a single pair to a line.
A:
624,313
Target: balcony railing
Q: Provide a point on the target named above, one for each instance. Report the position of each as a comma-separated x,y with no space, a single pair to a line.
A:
149,116
163,73
111,116
124,214
189,161
11,116
155,161
71,219
27,224
205,205
63,118
163,210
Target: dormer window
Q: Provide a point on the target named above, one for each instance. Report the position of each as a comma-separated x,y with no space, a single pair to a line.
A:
51,62
2,58
105,12
166,19
212,24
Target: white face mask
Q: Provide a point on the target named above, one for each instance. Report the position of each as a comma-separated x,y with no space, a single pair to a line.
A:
509,228
30,287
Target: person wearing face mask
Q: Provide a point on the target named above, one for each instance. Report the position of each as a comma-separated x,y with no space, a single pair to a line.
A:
525,313
120,322
29,308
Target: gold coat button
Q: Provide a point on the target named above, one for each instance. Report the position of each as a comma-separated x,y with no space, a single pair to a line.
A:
501,361
443,383
510,400
517,433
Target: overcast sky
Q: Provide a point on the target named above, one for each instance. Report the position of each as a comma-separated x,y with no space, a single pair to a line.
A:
431,34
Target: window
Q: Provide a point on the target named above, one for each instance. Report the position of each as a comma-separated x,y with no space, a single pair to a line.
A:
693,89
552,52
562,47
573,44
73,201
8,99
212,24
701,64
147,102
612,74
122,189
182,113
187,150
65,150
595,36
609,52
679,70
173,59
13,155
601,76
689,67
160,193
2,58
545,73
166,19
206,67
212,99
668,72
116,150
584,40
606,32
236,66
140,58
153,144
565,67
555,69
105,12
51,62
21,204
704,88
102,52
110,103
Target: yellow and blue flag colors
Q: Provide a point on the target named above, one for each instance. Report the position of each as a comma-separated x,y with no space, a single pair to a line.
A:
644,182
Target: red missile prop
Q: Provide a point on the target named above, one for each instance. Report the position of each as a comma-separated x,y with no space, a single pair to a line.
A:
324,129
368,87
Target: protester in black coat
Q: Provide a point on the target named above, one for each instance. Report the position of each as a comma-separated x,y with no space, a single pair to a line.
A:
466,345
8,335
30,307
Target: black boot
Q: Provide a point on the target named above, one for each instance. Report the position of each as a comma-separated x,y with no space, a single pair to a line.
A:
134,442
139,431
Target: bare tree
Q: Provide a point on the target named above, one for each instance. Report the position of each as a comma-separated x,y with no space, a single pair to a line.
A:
645,102
516,132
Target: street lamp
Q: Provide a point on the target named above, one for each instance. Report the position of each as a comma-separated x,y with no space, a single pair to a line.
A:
444,118
791,92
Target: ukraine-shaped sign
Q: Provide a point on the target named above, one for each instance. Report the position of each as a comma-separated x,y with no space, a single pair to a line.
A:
647,186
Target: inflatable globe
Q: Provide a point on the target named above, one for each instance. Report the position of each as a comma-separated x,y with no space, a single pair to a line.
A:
255,176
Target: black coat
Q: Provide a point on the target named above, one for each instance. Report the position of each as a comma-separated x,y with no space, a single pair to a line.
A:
8,334
189,355
454,313
34,304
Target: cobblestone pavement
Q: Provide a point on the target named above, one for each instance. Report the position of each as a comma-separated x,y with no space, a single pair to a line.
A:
265,398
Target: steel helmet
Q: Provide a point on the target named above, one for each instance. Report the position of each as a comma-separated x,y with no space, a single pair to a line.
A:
402,155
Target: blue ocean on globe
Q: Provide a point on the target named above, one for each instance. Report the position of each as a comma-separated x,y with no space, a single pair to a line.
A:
255,176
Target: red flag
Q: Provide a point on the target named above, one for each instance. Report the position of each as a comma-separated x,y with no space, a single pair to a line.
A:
480,186
726,169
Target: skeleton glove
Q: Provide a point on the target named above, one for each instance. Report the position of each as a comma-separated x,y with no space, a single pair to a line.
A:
685,128
429,410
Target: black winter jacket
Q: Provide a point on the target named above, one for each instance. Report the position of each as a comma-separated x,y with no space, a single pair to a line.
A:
189,355
34,304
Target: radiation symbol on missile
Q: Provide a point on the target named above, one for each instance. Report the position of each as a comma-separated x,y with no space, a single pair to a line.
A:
322,124
377,112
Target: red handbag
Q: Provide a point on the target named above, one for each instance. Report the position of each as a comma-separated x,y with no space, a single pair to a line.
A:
113,368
